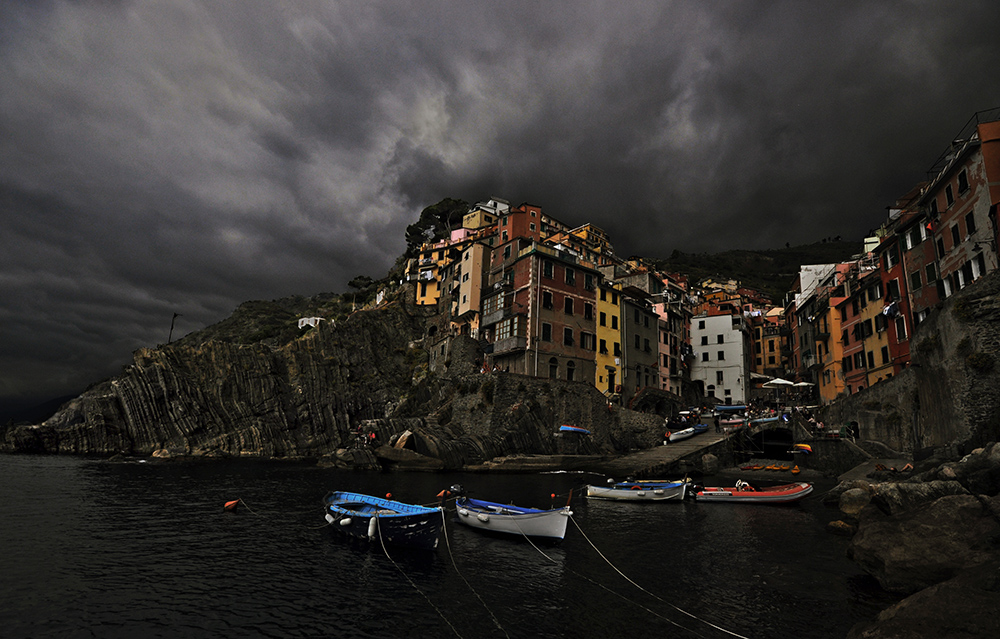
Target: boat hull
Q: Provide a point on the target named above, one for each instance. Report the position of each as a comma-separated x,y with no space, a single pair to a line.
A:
682,434
785,494
383,520
639,491
513,520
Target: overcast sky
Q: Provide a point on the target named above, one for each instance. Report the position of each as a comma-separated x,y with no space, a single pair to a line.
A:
183,156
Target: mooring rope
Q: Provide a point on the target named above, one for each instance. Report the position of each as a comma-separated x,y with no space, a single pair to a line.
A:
597,583
654,595
452,556
407,577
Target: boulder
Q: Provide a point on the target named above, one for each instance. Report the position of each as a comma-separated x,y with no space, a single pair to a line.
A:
964,606
854,500
832,497
406,459
914,549
898,497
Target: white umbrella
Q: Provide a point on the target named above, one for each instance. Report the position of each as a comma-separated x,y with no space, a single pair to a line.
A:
777,383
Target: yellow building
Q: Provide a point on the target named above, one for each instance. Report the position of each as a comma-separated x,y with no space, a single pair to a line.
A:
875,333
432,269
608,376
829,350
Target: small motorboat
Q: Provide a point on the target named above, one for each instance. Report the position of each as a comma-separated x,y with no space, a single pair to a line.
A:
375,518
513,520
643,490
743,492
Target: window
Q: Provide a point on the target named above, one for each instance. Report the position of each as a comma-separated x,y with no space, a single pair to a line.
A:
701,323
949,195
704,340
503,238
570,276
970,223
718,377
645,321
875,292
546,332
892,287
963,182
636,342
553,368
929,273
934,208
915,235
900,329
645,345
956,238
722,355
704,356
770,359
546,299
570,371
770,346
618,350
547,269
506,251
614,298
885,354
614,322
871,359
859,360
635,315
531,226
588,281
587,341
915,282
604,319
604,347
720,339
604,295
568,336
568,305
891,257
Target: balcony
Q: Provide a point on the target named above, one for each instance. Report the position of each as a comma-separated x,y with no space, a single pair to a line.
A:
496,316
508,344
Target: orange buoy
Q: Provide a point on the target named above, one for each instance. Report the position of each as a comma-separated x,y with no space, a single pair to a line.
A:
231,505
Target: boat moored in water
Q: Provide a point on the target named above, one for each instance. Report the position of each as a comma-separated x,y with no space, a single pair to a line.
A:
375,518
513,520
744,493
643,490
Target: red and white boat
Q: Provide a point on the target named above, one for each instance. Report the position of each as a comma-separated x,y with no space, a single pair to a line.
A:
743,492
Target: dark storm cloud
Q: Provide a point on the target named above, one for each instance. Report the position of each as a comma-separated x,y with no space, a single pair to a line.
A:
188,156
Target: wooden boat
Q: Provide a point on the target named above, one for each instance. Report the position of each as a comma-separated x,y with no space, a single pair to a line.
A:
747,494
640,490
230,506
514,520
379,519
678,435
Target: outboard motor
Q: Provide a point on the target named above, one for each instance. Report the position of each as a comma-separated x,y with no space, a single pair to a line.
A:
457,490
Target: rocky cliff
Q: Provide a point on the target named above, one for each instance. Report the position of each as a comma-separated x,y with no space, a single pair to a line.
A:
308,397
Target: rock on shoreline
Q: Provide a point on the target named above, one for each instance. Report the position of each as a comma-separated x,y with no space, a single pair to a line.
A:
933,536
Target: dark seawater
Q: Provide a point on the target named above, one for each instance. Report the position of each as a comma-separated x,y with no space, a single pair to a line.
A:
98,549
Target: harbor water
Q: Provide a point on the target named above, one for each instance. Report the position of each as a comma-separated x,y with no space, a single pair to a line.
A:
126,549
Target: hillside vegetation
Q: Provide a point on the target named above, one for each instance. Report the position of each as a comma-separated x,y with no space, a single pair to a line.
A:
772,272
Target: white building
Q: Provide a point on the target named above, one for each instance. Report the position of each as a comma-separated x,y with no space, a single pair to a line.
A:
721,344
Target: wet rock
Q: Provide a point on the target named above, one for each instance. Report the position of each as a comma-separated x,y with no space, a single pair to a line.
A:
963,606
915,549
897,497
842,528
854,500
832,498
406,459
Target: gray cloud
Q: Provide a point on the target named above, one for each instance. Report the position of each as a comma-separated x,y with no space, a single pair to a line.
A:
187,156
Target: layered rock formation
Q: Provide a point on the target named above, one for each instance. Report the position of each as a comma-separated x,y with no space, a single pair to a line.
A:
308,397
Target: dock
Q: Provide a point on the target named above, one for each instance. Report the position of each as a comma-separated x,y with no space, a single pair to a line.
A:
660,459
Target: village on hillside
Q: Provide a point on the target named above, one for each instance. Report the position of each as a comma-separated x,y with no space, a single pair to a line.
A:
549,299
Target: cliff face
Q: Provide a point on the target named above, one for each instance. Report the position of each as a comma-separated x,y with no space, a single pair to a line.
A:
308,397
951,393
223,398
